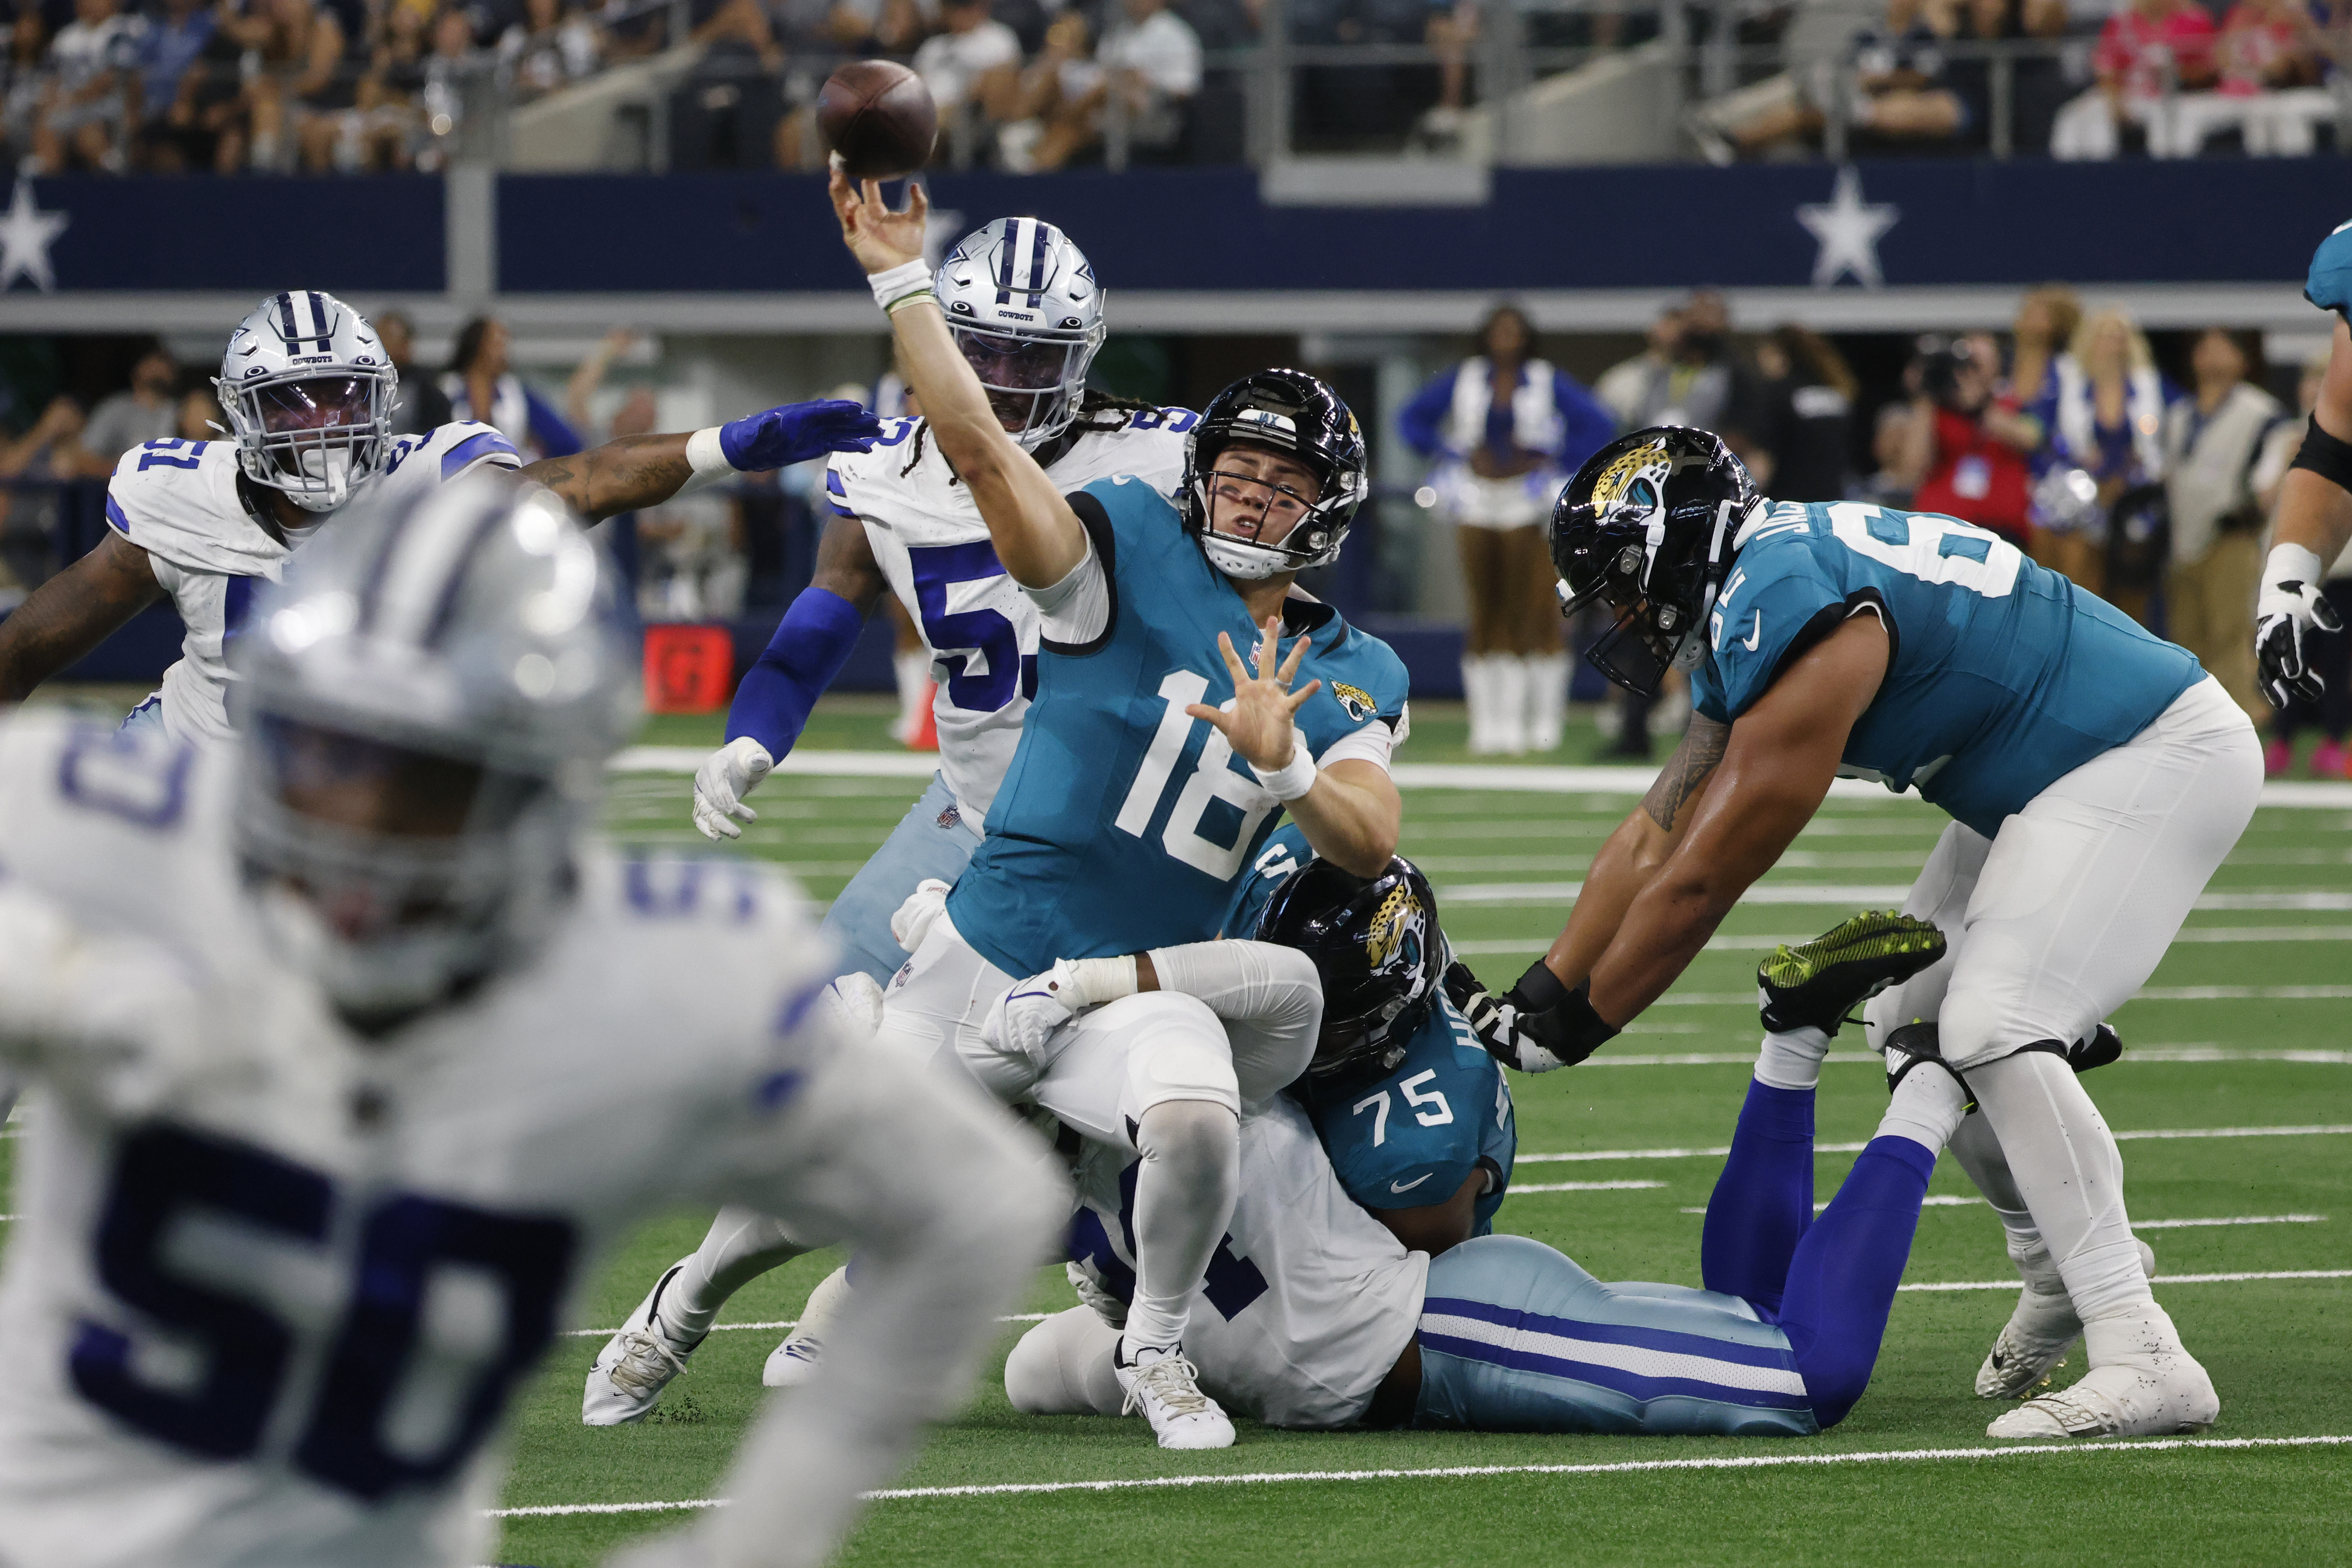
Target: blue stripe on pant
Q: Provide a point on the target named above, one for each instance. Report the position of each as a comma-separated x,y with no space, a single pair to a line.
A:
1516,1338
920,847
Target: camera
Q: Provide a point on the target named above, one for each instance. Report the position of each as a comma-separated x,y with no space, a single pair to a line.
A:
1938,362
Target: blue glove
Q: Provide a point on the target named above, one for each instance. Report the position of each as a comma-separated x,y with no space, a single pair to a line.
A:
797,432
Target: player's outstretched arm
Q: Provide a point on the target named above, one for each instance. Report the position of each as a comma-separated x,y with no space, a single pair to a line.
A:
635,472
774,701
74,612
2315,525
950,1208
1038,536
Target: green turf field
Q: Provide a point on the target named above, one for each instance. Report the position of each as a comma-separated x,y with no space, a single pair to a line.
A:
2242,1030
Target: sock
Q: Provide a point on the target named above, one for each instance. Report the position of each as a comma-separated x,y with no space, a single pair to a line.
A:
1183,1200
1792,1059
1478,692
1510,679
1763,1202
2069,1172
1841,1281
1548,680
913,669
1926,1108
741,1246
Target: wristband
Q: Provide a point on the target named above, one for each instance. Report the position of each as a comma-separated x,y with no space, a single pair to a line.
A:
2291,563
1538,990
706,457
910,283
1091,981
1293,778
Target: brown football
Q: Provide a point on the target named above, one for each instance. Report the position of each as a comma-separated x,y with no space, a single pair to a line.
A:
879,117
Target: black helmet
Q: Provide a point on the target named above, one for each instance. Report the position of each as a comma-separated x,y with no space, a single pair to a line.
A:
1292,412
1376,947
1647,527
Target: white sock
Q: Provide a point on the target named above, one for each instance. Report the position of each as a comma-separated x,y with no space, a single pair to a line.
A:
1548,697
1792,1058
1510,703
1926,1108
741,1246
1184,1201
2069,1174
1478,695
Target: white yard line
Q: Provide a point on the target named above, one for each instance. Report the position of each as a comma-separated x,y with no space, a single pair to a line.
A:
2011,1283
1582,1188
782,1324
2231,1219
2311,1131
1882,896
1454,1472
1488,946
2195,1053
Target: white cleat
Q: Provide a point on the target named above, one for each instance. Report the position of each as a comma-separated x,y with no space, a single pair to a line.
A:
2036,1339
795,1360
1162,1385
635,1365
2143,1384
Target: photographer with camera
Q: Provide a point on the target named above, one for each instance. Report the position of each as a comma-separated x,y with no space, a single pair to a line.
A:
1970,449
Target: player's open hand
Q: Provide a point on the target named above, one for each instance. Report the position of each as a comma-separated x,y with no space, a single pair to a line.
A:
1259,726
881,236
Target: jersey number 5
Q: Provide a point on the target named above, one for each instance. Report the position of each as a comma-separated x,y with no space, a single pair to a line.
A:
1213,779
978,647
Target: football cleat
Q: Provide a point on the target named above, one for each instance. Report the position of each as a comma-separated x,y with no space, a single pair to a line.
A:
2119,1401
1912,1045
2103,1046
795,1360
1164,1386
635,1365
1818,984
2035,1341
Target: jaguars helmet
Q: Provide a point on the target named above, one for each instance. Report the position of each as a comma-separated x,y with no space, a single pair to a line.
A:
1376,948
1291,412
1648,527
427,702
309,391
1023,305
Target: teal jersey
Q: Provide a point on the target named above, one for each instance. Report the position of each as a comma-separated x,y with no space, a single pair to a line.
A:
2002,676
1124,823
2330,286
1409,1137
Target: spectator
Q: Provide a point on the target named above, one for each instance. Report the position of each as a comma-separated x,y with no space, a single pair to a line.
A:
549,46
454,61
389,100
972,58
2104,416
1052,84
2047,320
1151,66
199,417
1901,95
1625,387
422,405
32,466
1809,412
2212,442
1891,483
2330,656
170,45
210,122
21,109
2142,52
1508,429
309,82
144,411
1698,382
1451,33
87,104
2265,46
580,391
1969,451
481,386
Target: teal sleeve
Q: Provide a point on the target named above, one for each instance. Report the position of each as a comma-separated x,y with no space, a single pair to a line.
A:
2330,286
1763,619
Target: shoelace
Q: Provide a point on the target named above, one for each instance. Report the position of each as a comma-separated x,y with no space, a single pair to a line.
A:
808,1347
643,1358
1172,1380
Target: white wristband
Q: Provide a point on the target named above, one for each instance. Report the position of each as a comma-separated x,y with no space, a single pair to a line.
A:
1293,778
1091,981
903,284
2291,563
708,458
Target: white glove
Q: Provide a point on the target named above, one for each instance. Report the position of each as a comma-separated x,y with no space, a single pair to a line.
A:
1026,1017
2289,610
855,1002
1108,1307
725,777
911,922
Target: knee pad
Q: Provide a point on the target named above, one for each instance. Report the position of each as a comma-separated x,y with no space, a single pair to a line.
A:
1178,1051
1063,1367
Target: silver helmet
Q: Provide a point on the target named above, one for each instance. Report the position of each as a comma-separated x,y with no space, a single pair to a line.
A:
427,702
1024,305
308,391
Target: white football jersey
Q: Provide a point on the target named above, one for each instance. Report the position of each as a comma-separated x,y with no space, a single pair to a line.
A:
1308,1301
178,501
928,534
271,1285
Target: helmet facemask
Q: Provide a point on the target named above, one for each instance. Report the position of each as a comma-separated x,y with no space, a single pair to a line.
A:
315,435
1034,381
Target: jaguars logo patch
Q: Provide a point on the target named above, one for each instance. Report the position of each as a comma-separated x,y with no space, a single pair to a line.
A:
1355,700
1617,481
1394,933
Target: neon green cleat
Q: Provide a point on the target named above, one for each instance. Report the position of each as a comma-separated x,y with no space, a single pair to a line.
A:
1821,982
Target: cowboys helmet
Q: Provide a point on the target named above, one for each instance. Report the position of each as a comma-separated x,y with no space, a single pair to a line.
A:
1648,527
1024,306
1289,410
427,702
1376,948
309,391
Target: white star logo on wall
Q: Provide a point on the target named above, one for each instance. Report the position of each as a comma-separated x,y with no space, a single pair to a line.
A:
25,234
1848,229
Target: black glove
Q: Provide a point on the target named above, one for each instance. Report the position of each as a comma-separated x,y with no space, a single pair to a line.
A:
1536,1026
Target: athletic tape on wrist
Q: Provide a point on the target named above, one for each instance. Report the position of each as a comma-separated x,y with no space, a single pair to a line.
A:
910,283
2291,563
1091,981
708,459
1293,778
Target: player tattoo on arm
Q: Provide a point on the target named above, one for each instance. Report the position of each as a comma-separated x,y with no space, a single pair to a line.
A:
1688,770
620,476
72,613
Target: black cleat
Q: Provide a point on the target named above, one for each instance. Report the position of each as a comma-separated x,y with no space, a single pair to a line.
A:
1822,980
2103,1046
1916,1045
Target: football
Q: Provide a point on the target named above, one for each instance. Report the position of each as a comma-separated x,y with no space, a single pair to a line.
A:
879,117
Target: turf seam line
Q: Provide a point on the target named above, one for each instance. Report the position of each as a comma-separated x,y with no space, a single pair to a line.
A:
783,1324
1715,1462
1716,1154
